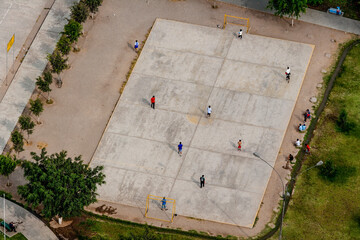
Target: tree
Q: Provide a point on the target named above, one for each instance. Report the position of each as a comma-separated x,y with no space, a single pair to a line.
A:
36,108
314,2
79,12
7,166
93,6
290,8
18,141
73,30
64,45
58,63
26,125
44,84
61,185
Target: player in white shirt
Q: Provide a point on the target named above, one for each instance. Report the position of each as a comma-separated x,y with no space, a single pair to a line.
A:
287,73
209,111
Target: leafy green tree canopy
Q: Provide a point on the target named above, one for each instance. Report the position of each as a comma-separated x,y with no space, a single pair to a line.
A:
290,8
314,2
18,141
61,185
73,30
43,85
26,124
93,5
64,45
36,107
7,166
79,12
58,63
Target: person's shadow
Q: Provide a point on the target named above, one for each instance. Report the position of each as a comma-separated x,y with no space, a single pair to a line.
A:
145,101
233,144
202,111
172,147
131,46
197,182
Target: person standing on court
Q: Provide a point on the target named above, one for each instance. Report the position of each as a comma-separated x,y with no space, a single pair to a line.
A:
136,45
240,34
239,145
287,73
163,204
180,146
202,181
152,100
209,110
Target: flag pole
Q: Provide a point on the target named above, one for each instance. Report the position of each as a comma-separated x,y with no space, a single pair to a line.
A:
13,56
4,217
6,67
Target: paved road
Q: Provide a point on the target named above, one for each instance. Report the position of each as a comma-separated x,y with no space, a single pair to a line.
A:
16,17
31,227
311,16
22,86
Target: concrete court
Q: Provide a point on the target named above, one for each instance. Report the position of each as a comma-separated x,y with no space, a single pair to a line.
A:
16,17
188,67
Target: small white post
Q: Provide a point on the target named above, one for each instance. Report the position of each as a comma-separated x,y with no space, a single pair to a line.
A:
4,217
6,66
60,220
13,71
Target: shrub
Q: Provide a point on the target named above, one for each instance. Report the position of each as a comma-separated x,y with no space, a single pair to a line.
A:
328,170
79,12
343,122
7,195
93,5
337,171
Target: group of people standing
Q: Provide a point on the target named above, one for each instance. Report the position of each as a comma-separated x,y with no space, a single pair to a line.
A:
302,128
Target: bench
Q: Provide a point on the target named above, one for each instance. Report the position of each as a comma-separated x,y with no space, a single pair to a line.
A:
7,226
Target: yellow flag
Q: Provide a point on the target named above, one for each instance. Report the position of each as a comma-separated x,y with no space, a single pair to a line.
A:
11,42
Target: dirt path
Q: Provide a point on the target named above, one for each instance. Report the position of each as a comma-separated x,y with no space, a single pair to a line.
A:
82,107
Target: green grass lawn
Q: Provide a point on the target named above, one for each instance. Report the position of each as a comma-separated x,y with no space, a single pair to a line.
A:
327,206
98,227
18,236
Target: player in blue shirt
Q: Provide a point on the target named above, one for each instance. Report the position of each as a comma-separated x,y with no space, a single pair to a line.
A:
163,204
136,45
180,146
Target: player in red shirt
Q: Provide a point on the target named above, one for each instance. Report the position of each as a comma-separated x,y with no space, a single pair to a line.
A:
153,102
